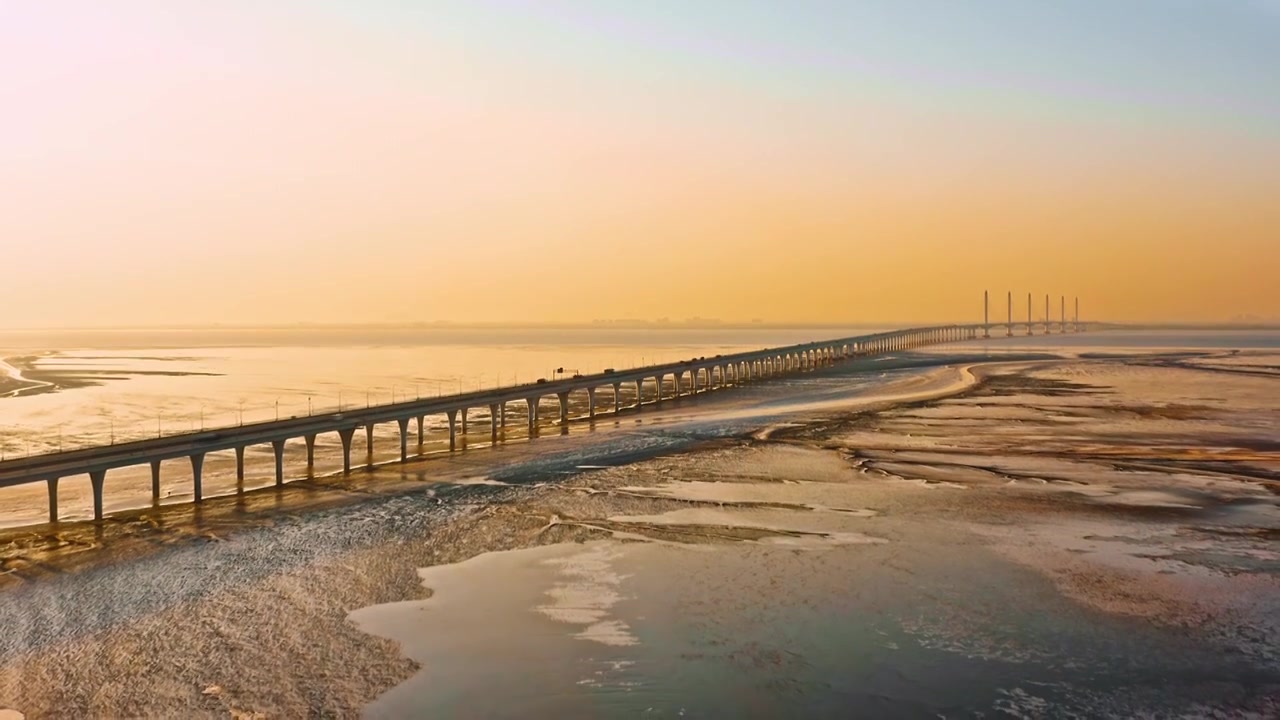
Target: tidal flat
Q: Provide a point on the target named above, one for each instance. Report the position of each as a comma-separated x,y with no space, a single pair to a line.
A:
944,537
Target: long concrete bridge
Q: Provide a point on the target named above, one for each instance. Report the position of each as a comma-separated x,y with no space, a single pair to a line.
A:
687,378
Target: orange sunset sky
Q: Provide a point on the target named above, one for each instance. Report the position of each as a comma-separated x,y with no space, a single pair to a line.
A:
259,163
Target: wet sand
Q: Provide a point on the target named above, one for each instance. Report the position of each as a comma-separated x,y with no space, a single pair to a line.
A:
1085,537
23,375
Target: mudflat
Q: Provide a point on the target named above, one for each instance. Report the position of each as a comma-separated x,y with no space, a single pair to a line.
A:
1044,538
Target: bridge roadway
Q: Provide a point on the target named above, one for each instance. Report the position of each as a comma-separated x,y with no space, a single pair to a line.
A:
703,374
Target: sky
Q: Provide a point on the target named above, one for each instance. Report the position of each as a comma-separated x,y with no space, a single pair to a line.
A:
181,162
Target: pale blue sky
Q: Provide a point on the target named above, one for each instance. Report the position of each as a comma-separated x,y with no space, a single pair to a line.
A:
1200,62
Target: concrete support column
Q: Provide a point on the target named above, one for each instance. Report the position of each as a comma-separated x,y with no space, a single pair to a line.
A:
493,422
97,478
421,433
564,407
591,403
502,415
639,393
368,443
453,429
346,435
240,465
617,398
464,422
155,482
53,499
277,446
404,438
197,476
657,381
311,452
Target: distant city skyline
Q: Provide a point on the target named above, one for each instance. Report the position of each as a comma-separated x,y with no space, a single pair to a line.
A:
331,162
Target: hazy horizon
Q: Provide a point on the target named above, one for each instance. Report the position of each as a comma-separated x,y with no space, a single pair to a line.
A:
709,324
809,163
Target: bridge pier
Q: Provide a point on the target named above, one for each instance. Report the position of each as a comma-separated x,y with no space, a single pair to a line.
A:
277,447
311,452
657,381
564,407
502,414
368,444
421,434
493,423
617,398
403,424
591,403
464,423
155,482
533,414
53,499
97,478
453,429
197,471
639,394
240,466
346,435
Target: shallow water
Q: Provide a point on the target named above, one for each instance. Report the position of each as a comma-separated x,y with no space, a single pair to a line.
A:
125,405
150,382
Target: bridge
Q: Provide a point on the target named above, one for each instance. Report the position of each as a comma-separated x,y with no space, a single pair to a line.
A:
687,378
